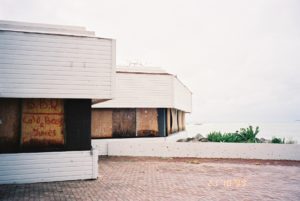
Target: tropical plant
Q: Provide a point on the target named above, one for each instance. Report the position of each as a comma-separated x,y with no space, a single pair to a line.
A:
277,140
214,137
244,135
248,134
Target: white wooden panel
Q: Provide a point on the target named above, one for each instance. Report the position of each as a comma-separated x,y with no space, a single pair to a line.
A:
148,90
55,66
140,90
182,96
48,166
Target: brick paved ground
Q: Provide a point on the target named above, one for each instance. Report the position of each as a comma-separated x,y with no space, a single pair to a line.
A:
161,179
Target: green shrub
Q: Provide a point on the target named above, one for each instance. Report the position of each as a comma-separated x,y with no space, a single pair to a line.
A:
244,135
277,140
248,134
214,137
290,141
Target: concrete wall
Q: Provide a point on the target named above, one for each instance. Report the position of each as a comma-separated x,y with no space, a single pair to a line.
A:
164,148
48,166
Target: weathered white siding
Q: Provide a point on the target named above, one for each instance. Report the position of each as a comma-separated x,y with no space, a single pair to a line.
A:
48,166
39,65
140,90
182,96
150,89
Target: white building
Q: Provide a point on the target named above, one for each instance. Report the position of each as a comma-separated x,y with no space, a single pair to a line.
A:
147,102
48,76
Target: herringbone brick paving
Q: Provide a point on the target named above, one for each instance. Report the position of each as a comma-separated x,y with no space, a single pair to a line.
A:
122,178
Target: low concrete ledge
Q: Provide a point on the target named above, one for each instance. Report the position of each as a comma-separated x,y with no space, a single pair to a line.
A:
201,150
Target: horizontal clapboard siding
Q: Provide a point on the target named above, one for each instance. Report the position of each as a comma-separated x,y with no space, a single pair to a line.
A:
140,90
182,96
149,90
48,166
34,65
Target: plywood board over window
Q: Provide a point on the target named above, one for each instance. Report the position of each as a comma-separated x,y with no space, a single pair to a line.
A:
124,123
183,120
102,123
42,123
9,124
174,120
169,121
179,118
147,122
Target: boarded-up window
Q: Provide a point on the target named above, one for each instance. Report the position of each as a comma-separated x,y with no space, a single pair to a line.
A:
43,123
147,122
124,123
179,116
174,120
183,120
101,123
169,121
9,124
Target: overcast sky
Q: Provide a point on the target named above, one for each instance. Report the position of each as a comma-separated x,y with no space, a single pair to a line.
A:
240,58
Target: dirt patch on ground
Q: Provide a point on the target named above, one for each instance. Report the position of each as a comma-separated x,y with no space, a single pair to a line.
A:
203,160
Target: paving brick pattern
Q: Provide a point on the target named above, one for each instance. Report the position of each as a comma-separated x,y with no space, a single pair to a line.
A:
147,179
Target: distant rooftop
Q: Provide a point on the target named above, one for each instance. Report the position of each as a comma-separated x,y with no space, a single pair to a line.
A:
141,70
44,28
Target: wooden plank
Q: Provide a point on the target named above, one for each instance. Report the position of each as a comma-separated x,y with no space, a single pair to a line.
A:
10,111
147,122
101,123
169,122
183,120
179,120
174,120
124,123
45,166
25,57
42,123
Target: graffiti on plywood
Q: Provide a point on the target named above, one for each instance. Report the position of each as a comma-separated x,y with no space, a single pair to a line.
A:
43,121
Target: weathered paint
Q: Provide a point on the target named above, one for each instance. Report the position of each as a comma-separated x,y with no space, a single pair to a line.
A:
139,122
28,129
42,122
124,123
9,124
102,123
147,122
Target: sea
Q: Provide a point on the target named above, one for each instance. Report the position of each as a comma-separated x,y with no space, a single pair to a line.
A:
287,130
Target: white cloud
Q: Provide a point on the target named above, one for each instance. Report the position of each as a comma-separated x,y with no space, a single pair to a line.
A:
240,58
